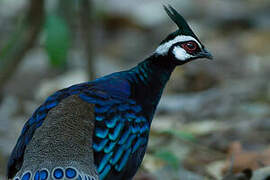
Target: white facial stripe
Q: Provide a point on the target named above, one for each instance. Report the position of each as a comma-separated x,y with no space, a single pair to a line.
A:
180,54
164,48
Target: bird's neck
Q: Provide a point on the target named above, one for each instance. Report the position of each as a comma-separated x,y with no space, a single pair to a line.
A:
149,79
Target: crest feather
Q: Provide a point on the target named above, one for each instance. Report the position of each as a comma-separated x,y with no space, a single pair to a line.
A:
183,26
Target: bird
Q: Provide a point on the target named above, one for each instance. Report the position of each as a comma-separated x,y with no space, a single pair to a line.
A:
100,129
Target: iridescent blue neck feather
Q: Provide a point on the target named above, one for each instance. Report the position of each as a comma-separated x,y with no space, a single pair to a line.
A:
148,80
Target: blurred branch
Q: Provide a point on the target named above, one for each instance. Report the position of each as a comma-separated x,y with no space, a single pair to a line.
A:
86,32
83,20
25,37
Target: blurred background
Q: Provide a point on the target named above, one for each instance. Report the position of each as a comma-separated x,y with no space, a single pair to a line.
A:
213,121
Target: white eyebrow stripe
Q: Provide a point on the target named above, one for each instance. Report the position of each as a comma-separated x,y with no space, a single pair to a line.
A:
164,48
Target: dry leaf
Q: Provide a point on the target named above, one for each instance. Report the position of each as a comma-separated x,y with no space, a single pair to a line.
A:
238,160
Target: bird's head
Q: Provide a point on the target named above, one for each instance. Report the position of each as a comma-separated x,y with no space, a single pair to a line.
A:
182,45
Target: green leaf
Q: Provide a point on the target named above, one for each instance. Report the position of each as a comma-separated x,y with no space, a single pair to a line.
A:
169,157
181,134
57,39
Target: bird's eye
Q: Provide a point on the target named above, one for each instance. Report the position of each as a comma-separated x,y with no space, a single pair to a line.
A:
190,46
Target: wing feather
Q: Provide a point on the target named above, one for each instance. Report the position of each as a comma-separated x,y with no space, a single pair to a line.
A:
120,130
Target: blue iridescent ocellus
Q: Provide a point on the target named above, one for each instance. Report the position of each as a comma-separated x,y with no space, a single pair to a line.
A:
100,129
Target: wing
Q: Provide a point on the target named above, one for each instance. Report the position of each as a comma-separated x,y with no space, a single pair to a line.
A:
121,131
16,159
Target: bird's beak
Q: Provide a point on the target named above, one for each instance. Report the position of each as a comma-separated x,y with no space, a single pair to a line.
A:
206,54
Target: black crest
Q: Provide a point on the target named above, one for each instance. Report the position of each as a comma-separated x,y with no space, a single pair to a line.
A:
183,26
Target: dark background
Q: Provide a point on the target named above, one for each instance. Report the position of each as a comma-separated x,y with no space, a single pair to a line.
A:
210,111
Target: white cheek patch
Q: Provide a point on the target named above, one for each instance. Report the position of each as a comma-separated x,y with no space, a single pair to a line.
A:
180,54
164,48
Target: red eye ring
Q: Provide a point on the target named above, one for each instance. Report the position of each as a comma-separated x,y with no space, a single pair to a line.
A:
190,46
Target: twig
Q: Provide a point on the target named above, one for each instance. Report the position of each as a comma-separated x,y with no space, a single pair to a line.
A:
25,39
86,31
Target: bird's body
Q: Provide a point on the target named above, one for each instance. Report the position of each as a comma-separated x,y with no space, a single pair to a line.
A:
97,129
